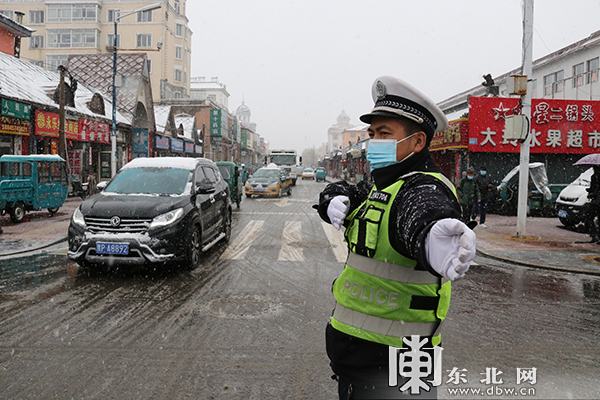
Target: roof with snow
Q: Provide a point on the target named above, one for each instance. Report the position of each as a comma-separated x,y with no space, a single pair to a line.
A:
161,117
97,69
187,122
14,27
24,81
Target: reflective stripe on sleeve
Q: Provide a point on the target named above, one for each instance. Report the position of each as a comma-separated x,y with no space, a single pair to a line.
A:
383,326
389,271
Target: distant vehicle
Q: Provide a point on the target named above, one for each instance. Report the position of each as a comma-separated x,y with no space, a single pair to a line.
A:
154,211
308,173
572,201
269,181
32,182
285,159
230,172
320,174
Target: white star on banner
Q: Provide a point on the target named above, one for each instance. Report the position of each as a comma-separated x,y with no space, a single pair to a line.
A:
500,112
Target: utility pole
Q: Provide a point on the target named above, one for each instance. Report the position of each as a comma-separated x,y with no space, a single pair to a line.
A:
525,110
62,140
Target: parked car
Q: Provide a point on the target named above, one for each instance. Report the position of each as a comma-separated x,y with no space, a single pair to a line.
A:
230,172
572,201
155,210
269,181
320,174
32,183
308,173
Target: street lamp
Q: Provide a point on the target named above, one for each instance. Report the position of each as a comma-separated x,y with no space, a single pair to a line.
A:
113,158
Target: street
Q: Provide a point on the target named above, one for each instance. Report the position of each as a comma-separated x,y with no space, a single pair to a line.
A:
249,322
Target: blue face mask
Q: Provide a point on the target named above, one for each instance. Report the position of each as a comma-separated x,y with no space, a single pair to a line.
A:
382,152
483,172
470,176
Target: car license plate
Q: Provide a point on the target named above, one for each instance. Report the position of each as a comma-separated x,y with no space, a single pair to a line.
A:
259,189
562,213
112,248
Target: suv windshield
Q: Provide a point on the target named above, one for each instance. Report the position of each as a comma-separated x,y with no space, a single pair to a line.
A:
225,171
267,173
150,181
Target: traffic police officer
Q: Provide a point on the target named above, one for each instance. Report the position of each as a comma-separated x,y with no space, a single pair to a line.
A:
406,243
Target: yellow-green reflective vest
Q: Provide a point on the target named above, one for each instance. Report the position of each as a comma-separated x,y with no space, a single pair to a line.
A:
380,296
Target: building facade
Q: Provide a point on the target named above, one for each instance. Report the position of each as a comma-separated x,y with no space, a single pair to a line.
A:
63,28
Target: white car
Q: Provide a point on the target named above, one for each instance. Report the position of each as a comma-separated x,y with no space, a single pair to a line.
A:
572,200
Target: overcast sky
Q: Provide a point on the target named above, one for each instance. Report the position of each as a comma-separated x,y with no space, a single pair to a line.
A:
299,63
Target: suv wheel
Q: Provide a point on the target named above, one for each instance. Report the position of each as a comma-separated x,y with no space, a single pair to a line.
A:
289,192
227,226
194,248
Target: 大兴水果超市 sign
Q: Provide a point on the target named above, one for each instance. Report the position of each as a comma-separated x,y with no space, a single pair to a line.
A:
557,125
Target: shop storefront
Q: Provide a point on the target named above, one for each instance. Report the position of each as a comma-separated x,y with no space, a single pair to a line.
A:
449,149
562,131
15,127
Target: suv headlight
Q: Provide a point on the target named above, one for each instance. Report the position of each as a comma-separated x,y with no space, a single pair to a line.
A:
77,218
166,218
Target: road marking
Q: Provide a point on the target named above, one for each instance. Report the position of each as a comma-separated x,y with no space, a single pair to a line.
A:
239,247
336,239
292,238
272,213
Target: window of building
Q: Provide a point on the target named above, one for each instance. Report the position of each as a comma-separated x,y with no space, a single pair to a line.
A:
578,75
143,40
39,63
178,52
178,75
36,17
554,83
212,97
184,76
8,14
54,60
73,13
185,56
110,40
534,88
177,6
592,70
36,42
149,64
179,30
113,15
73,38
177,95
144,16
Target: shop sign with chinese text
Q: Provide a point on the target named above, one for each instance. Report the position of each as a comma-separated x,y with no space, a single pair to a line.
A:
557,125
177,145
454,137
189,147
162,143
215,122
94,131
14,126
15,109
47,124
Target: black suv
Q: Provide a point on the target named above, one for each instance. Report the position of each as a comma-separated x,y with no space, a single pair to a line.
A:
155,210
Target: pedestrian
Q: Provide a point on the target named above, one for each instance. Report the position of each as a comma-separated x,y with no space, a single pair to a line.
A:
405,240
486,190
593,206
468,194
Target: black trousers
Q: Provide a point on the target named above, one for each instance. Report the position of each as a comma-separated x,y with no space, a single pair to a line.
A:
361,391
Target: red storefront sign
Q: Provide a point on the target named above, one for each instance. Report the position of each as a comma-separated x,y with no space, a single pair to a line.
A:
557,125
455,136
47,124
94,131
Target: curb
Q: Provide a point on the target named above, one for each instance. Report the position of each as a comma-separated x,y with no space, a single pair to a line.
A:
32,249
484,253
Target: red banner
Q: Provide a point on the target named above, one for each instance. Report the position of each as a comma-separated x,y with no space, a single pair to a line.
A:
94,131
557,125
47,124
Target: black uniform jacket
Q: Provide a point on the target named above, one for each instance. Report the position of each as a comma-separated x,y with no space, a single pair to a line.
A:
420,203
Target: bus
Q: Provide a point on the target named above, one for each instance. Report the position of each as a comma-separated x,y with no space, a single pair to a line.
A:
285,159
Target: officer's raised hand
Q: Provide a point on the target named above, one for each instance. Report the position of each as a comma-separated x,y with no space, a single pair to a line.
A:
450,248
337,210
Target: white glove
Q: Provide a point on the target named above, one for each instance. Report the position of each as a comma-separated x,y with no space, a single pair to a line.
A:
337,210
450,248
